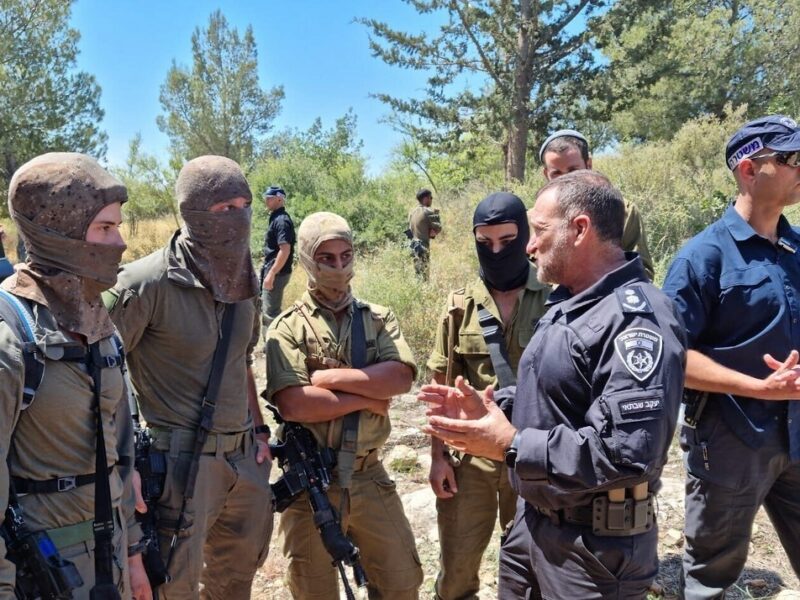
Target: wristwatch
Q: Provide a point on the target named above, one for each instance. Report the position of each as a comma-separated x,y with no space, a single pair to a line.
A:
510,454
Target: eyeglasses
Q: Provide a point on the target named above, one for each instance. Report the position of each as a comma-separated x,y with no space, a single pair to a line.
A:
790,159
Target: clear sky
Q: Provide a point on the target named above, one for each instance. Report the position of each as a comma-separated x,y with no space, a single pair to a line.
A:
311,47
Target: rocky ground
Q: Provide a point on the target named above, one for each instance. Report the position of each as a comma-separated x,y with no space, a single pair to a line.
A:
767,575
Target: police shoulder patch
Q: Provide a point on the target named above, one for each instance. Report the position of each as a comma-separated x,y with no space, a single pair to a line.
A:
640,351
632,300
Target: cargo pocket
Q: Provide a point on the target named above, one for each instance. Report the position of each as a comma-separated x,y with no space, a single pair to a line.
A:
401,567
637,428
711,449
472,345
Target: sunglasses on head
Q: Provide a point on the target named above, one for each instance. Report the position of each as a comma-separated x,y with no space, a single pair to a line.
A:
790,159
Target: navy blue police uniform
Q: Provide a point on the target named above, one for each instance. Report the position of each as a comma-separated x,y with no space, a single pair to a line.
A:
598,393
739,295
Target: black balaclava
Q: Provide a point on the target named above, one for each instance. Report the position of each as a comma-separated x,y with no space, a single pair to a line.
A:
507,269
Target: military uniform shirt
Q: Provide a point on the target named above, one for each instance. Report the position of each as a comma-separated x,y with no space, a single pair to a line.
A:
739,295
471,356
55,436
634,238
165,314
421,221
293,354
598,391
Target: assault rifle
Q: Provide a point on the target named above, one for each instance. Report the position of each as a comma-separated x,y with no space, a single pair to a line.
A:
307,468
41,572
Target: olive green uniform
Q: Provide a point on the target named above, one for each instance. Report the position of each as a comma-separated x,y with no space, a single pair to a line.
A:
374,517
171,324
467,520
634,238
423,220
55,437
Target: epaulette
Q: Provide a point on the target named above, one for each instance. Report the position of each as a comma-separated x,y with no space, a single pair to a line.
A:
632,299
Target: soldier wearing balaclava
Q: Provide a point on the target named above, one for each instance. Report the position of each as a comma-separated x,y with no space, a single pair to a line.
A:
314,379
48,425
169,307
481,336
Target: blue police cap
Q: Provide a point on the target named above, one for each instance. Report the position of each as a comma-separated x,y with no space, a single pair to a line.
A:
275,190
776,132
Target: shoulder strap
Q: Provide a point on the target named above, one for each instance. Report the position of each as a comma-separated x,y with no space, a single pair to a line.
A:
492,332
18,317
207,409
346,456
455,315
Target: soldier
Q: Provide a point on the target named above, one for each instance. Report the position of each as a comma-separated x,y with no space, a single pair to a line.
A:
278,254
567,150
489,321
69,210
736,285
424,224
310,380
597,397
171,308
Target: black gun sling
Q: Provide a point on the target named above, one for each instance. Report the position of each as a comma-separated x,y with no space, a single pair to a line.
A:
103,528
346,456
492,332
206,424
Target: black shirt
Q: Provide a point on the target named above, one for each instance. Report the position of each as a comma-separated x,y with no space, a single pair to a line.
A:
280,231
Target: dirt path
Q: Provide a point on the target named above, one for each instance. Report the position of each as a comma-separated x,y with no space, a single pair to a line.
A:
767,575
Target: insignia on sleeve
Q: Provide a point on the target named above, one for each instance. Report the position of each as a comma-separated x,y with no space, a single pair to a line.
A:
632,300
640,351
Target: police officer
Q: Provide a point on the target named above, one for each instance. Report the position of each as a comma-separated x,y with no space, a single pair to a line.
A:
737,285
567,150
490,320
598,391
278,254
171,308
424,224
68,208
310,378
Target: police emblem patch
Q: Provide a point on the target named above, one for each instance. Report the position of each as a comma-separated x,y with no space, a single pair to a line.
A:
632,300
640,351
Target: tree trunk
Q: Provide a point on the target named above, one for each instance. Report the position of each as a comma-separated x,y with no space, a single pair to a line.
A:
519,122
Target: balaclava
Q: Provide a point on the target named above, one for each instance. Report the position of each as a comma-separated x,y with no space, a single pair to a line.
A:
327,285
216,245
53,199
507,269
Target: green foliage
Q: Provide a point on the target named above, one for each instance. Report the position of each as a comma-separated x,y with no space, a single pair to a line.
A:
46,104
149,186
218,107
323,170
528,58
684,58
679,186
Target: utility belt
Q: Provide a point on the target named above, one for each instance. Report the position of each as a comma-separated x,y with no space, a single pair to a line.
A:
175,441
58,484
620,512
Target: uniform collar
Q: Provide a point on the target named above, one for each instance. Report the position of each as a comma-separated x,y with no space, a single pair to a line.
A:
277,212
178,270
741,230
314,307
632,270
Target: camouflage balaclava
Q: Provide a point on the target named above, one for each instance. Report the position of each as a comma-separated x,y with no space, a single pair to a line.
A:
216,246
53,199
327,285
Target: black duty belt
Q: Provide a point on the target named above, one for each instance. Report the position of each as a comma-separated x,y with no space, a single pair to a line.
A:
59,484
606,518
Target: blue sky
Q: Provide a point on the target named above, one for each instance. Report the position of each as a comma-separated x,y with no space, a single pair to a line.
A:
311,47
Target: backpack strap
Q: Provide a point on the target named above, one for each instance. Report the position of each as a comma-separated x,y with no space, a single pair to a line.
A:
17,315
492,331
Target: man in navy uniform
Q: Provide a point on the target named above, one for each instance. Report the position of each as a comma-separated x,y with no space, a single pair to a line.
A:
596,403
278,254
737,286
